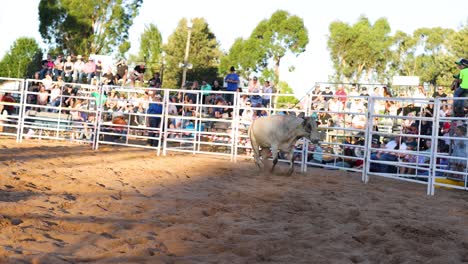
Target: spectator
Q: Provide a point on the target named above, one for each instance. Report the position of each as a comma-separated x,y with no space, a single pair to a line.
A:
341,94
387,155
206,95
353,90
42,96
58,67
48,81
108,77
138,74
364,91
462,89
154,122
323,117
78,68
192,97
98,71
359,121
267,92
327,94
66,96
439,93
43,70
122,73
3,116
247,115
232,80
216,86
155,82
68,70
89,69
111,102
50,63
55,96
254,87
7,98
420,93
459,149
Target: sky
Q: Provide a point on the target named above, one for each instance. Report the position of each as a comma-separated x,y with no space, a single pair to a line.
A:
232,19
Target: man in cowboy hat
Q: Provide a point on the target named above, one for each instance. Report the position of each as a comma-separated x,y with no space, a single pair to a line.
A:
78,68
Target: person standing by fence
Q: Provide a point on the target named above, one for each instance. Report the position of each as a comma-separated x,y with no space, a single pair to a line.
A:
154,122
232,80
462,89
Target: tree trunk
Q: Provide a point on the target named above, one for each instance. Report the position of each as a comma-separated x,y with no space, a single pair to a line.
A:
276,81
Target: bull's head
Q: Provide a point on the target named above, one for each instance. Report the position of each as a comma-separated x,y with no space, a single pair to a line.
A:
310,126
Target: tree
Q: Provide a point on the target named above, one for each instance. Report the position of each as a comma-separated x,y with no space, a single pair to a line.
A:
22,60
403,53
457,42
204,53
428,53
359,49
286,101
269,42
87,26
150,50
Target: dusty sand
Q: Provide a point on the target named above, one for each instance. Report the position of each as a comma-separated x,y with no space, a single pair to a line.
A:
64,203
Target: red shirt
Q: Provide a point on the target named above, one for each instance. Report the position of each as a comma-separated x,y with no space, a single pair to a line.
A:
8,99
341,94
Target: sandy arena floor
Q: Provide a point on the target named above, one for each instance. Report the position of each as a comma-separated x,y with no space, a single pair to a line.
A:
64,203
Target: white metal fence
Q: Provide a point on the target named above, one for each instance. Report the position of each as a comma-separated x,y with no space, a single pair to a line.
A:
357,135
11,92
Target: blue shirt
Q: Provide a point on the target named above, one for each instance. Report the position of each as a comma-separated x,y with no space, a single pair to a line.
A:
155,108
232,87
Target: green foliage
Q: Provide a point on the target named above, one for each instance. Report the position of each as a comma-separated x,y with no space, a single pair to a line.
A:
359,49
286,101
22,60
87,26
150,50
457,42
366,52
428,53
204,53
267,45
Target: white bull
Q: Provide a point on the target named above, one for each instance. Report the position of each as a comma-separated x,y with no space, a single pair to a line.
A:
280,133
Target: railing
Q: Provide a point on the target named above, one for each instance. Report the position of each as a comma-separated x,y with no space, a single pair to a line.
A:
201,127
11,107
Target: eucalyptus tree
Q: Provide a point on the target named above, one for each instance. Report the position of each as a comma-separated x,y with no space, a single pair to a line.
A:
204,53
269,42
359,49
87,26
428,53
150,50
22,60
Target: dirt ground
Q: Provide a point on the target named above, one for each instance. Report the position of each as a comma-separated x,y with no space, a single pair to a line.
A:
65,203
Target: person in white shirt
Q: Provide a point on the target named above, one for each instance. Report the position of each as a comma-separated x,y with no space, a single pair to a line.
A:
55,96
78,68
267,92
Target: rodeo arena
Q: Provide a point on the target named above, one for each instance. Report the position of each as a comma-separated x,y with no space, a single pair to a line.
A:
413,140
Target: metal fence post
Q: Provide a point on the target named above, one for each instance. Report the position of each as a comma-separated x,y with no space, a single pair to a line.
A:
434,146
368,139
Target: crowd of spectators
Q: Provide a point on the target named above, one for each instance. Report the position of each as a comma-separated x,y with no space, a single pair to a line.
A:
77,69
408,131
60,81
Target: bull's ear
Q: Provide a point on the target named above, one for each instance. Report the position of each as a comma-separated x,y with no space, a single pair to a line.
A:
301,115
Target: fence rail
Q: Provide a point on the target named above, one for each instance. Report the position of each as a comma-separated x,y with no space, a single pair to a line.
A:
357,135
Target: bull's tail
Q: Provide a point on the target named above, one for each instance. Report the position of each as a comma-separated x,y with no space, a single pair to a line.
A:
255,146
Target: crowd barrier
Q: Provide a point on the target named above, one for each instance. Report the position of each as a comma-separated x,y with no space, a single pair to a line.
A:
355,135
